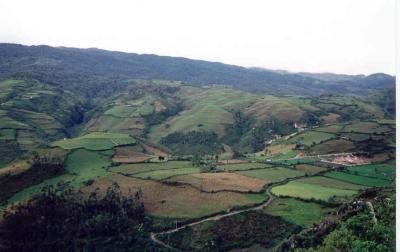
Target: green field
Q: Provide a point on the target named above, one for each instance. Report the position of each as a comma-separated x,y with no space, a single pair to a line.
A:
147,167
381,171
285,155
296,211
310,169
309,137
81,165
163,174
130,111
330,128
7,134
366,127
295,161
356,136
330,182
274,174
9,123
95,141
333,146
208,110
360,180
242,166
310,191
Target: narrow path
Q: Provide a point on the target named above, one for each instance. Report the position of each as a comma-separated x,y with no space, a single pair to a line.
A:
153,236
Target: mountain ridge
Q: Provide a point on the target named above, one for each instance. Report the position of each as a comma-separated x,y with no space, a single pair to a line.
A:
63,65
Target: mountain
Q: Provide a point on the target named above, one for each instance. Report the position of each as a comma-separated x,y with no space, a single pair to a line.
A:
71,66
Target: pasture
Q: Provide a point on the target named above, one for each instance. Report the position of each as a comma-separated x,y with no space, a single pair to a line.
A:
129,154
310,137
330,128
360,180
296,211
285,155
366,127
242,166
7,134
310,191
95,141
205,109
309,169
273,107
333,146
107,123
278,149
330,118
163,174
274,174
81,166
130,111
381,171
358,137
295,161
130,169
330,182
176,201
221,181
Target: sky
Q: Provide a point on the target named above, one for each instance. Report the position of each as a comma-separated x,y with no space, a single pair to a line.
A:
341,36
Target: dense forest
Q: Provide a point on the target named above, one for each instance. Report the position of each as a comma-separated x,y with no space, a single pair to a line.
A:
61,219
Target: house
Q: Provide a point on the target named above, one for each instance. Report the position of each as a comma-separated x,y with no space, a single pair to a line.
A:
300,126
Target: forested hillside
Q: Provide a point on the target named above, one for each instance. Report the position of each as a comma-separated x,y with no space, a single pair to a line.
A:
72,66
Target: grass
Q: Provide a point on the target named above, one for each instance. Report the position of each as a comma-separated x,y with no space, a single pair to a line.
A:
81,165
95,141
130,111
381,171
176,201
310,137
330,182
366,127
7,134
333,146
274,174
296,211
147,167
205,109
103,123
163,174
330,128
356,136
285,155
310,191
242,166
360,180
9,123
386,121
220,181
295,161
279,148
310,169
274,107
330,118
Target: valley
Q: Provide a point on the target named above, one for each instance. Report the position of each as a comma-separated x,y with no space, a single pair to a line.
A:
216,168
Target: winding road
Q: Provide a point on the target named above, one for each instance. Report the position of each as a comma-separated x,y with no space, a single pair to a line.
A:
153,235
